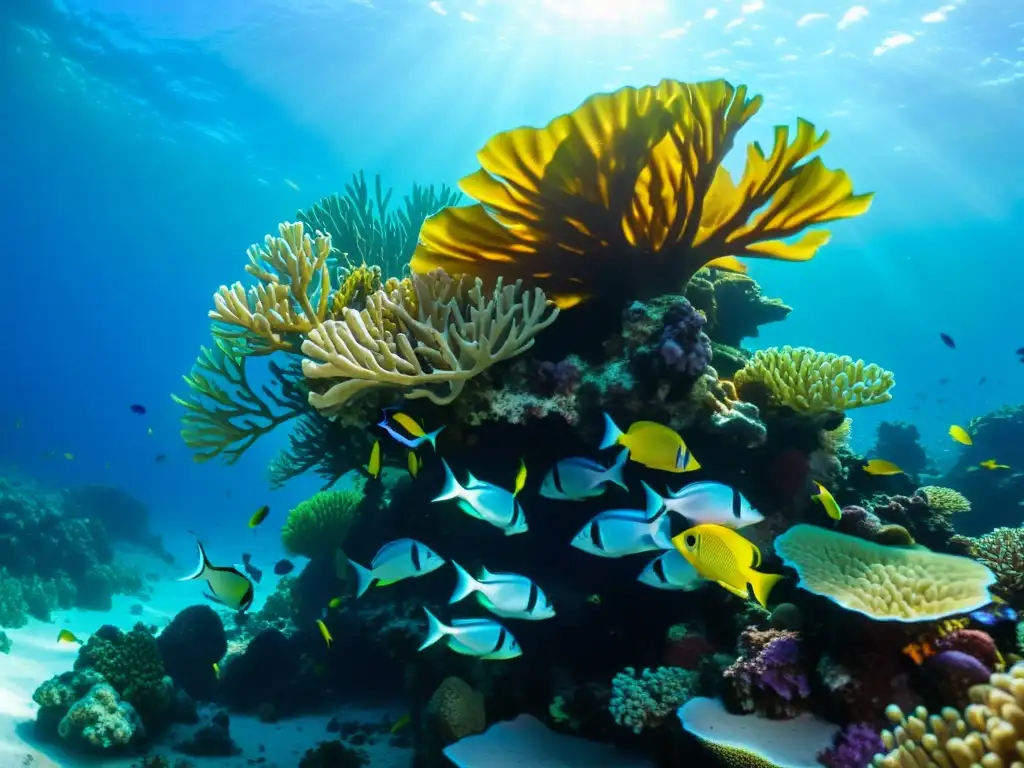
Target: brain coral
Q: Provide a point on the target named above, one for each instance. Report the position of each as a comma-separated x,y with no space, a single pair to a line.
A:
457,709
884,583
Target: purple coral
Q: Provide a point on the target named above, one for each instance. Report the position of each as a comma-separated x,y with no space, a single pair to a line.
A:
563,377
769,663
684,346
854,747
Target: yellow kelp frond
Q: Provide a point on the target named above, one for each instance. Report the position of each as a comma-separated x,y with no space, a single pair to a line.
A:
810,381
945,501
291,298
225,415
636,173
431,353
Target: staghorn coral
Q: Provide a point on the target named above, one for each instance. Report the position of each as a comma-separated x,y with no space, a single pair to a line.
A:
645,700
1002,550
319,524
431,355
810,381
884,583
988,732
945,501
637,172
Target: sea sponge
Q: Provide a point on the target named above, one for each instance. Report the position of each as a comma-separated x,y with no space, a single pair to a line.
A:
457,710
810,381
628,193
945,501
320,524
884,583
101,720
989,732
645,700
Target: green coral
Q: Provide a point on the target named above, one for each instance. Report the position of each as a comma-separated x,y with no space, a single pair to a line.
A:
13,608
645,700
101,720
320,523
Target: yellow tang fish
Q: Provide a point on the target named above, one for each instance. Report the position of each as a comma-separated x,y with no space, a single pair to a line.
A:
960,435
415,462
991,464
882,467
259,516
216,670
373,468
829,503
67,636
336,602
325,632
401,722
520,478
720,554
651,444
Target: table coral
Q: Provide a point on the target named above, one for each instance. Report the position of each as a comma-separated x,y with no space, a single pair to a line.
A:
645,700
768,675
945,501
884,583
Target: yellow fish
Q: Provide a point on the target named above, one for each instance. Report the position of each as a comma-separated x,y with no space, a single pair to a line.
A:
409,424
960,435
991,464
520,478
325,632
67,636
216,670
415,462
336,602
259,516
651,444
829,503
69,456
401,722
373,468
882,467
720,554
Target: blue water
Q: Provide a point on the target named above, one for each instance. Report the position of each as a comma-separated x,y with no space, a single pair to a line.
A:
146,145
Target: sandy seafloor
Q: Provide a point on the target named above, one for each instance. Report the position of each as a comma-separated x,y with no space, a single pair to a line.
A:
36,656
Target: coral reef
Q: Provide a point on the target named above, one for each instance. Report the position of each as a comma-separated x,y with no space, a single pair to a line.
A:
189,647
646,700
733,305
101,720
900,443
769,675
1002,550
320,524
945,501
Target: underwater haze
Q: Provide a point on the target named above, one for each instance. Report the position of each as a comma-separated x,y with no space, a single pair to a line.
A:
147,145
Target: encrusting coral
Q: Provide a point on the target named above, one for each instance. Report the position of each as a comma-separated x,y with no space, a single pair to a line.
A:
637,172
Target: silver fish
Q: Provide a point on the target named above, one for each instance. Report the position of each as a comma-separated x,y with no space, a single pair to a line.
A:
508,595
228,586
580,478
484,501
705,502
620,532
670,571
397,560
484,638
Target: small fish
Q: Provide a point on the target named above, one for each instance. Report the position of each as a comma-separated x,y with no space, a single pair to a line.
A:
982,380
415,463
283,567
67,636
227,585
1020,351
520,478
705,502
484,501
882,467
959,434
996,612
651,444
670,571
943,381
483,638
216,671
594,599
259,516
722,555
992,464
947,340
826,500
414,442
137,408
324,632
249,568
397,560
336,602
410,425
580,478
160,458
69,456
149,431
400,723
621,532
373,467
508,595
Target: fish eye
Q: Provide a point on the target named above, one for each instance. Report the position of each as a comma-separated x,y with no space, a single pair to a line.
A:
691,541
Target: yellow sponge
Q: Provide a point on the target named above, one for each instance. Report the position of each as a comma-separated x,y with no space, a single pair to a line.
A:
808,381
884,583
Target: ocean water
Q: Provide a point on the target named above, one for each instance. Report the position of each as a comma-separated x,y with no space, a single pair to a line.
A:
145,145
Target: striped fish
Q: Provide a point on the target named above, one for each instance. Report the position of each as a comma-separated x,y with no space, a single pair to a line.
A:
397,560
705,503
483,638
508,595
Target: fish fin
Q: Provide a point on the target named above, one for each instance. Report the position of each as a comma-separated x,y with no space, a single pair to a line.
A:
451,489
469,509
432,436
612,433
213,598
738,592
614,473
386,582
655,503
435,630
364,578
661,531
757,556
761,584
471,480
464,584
484,573
204,563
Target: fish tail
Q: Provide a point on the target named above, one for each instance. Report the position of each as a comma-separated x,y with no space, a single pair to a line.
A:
203,564
465,584
661,530
655,502
614,473
762,585
451,489
364,578
611,433
435,630
432,436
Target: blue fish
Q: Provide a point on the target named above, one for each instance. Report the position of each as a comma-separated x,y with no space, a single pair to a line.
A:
508,595
484,501
621,532
671,571
580,478
412,443
993,614
483,638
